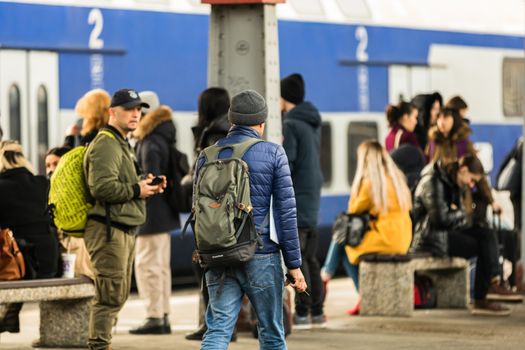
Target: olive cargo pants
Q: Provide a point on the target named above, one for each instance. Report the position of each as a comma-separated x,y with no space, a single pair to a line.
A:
112,264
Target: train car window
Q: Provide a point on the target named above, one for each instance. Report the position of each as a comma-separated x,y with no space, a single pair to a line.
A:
513,86
15,115
43,117
307,7
357,133
326,153
354,8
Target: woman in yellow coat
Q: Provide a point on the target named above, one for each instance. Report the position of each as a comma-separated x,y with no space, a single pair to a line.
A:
380,188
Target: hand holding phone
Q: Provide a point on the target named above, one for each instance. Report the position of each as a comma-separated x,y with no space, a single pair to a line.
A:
156,181
291,279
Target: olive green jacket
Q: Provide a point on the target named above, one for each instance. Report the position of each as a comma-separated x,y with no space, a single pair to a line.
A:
111,175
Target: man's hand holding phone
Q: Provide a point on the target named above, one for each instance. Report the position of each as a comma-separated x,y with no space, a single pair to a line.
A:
152,185
295,278
158,181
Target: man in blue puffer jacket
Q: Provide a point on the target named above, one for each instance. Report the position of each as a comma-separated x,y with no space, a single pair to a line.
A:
261,278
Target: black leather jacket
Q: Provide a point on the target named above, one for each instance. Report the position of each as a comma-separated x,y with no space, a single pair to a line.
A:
437,211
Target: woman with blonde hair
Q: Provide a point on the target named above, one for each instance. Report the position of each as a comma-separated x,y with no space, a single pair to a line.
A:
380,189
93,107
23,209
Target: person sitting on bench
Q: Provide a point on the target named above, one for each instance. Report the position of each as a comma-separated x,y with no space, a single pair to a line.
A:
441,226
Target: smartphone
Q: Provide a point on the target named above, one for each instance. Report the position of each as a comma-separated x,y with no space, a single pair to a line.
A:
156,181
290,279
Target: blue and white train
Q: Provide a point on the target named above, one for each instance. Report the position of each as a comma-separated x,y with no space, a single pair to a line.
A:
356,57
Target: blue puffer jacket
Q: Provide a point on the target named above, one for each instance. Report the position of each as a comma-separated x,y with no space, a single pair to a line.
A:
269,175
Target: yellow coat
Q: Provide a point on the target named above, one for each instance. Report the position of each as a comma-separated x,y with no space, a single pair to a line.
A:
391,232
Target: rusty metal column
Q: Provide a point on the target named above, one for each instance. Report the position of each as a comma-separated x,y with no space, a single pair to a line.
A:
243,52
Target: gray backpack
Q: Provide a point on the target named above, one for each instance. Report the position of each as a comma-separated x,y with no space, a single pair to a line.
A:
222,217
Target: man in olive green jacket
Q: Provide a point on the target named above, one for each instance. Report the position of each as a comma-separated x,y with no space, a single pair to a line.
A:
112,176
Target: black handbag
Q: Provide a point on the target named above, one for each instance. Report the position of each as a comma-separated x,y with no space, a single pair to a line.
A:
349,229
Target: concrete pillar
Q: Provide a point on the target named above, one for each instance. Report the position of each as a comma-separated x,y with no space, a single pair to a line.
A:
244,52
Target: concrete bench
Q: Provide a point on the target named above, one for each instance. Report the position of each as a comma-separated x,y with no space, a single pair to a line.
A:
64,307
386,286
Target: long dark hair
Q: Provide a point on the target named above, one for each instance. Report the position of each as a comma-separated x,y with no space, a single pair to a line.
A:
458,121
424,105
214,102
58,151
472,163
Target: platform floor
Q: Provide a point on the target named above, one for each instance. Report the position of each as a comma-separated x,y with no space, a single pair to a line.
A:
434,329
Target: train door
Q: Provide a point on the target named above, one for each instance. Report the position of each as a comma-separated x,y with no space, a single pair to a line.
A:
29,101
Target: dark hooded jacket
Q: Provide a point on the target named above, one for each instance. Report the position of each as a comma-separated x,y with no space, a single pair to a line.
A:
302,142
433,215
156,136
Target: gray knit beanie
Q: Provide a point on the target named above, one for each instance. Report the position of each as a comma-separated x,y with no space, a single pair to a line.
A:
248,108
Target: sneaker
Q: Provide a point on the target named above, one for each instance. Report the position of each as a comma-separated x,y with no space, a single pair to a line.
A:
319,321
498,292
488,308
301,322
151,325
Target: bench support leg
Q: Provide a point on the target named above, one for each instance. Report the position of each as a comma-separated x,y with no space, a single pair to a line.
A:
452,288
64,323
386,289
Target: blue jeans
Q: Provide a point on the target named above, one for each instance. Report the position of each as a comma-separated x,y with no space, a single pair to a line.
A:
262,279
336,254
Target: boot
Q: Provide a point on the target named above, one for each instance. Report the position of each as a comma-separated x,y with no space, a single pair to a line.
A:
167,325
198,334
151,325
11,321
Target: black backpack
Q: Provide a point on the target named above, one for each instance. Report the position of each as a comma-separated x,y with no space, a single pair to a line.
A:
176,194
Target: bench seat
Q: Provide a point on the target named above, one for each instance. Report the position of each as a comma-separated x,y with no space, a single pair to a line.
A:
387,285
64,308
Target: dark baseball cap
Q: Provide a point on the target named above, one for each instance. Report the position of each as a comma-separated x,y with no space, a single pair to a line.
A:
127,98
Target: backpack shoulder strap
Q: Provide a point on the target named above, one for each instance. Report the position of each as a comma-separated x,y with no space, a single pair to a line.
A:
107,133
241,148
211,152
